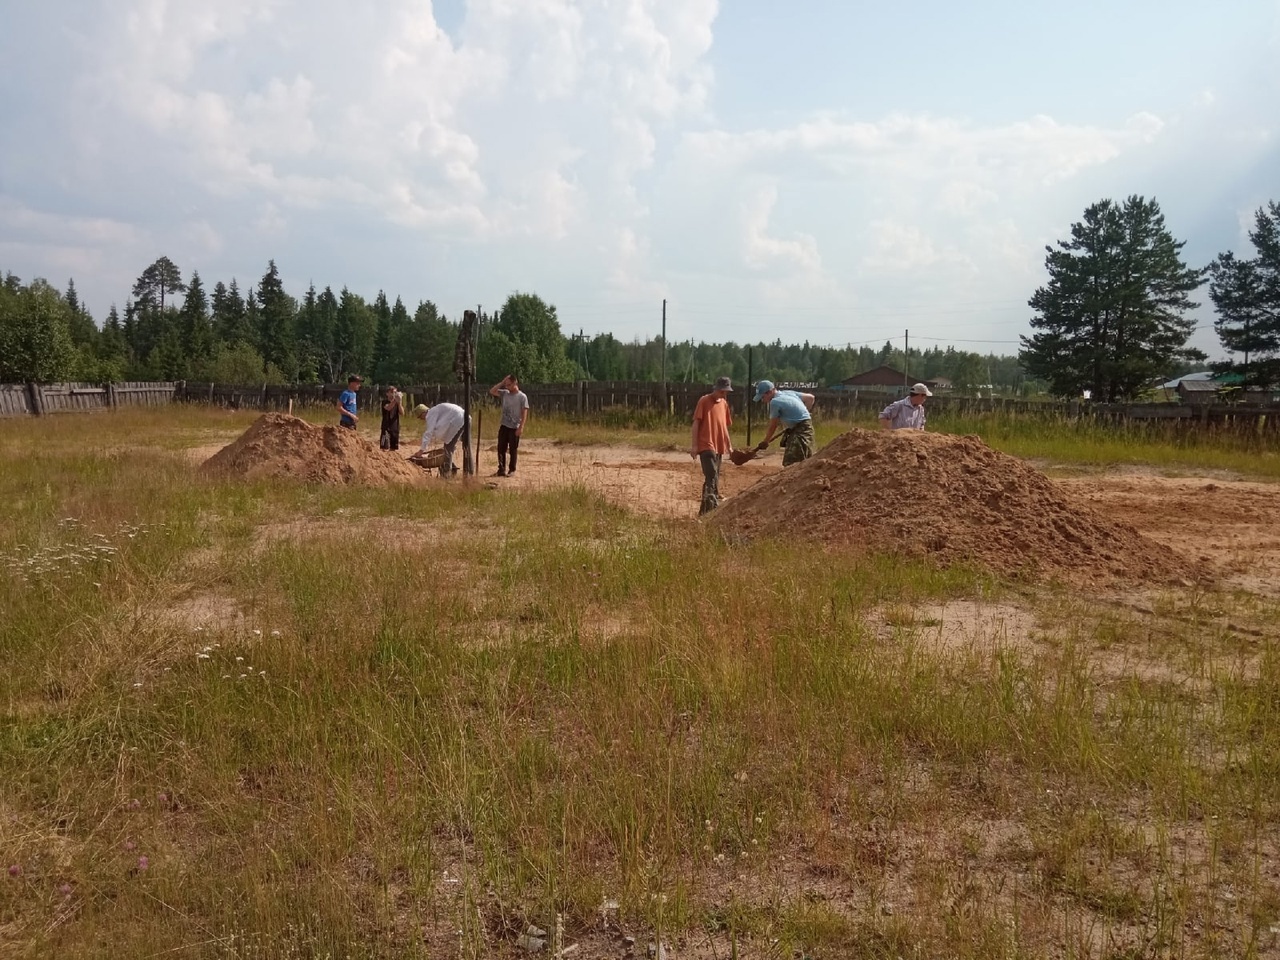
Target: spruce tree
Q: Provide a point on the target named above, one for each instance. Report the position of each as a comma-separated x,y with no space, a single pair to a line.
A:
276,315
1113,317
197,331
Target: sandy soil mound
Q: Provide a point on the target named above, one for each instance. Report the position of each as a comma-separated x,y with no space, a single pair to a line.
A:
278,445
950,498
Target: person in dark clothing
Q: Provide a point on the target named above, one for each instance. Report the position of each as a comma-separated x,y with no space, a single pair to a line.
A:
390,438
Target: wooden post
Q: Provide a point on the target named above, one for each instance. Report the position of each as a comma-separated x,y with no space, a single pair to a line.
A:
663,395
111,396
37,401
750,390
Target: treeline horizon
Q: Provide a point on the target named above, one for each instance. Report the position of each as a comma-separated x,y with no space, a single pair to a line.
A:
1115,319
266,335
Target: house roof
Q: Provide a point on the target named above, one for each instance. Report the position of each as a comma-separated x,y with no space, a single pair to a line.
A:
883,375
1198,386
1200,375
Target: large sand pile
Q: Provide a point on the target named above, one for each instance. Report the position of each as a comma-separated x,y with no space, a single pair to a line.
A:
278,445
953,499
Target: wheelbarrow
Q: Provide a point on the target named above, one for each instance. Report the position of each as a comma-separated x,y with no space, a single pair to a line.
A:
428,459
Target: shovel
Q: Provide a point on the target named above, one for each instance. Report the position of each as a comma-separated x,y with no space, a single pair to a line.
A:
740,456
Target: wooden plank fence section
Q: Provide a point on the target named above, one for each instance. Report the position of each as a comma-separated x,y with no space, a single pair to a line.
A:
600,397
46,398
15,400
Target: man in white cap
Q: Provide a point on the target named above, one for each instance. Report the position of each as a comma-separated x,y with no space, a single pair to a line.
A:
710,441
444,424
789,411
907,413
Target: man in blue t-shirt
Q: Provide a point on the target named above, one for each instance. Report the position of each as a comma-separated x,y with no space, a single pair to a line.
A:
347,403
790,412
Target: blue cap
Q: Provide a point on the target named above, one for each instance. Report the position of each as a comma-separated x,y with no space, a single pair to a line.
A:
763,387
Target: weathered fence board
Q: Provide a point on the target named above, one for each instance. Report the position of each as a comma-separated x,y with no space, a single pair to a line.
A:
47,398
15,400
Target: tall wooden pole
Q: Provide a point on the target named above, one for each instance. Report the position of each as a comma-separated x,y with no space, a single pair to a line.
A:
665,405
750,390
906,358
480,412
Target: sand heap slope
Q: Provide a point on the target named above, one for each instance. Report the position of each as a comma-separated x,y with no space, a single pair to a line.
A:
950,498
278,445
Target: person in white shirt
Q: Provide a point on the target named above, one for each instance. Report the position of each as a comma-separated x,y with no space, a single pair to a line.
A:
907,413
444,423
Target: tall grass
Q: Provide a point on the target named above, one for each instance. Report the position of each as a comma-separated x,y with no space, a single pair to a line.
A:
415,739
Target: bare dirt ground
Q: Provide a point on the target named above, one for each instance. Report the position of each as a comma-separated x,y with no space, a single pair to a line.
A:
1225,528
1228,528
662,484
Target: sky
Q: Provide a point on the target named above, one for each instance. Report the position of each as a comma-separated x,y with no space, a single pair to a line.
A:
836,172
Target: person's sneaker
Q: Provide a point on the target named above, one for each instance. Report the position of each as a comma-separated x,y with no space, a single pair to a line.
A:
511,472
501,473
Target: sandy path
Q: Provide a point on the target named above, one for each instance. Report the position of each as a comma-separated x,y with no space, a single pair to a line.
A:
664,484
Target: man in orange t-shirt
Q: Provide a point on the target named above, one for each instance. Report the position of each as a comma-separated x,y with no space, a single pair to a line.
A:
710,441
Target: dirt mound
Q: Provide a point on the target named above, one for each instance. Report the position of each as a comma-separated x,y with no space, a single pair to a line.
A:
952,499
278,445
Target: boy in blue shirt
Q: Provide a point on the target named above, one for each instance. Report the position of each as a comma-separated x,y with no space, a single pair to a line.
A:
347,403
790,411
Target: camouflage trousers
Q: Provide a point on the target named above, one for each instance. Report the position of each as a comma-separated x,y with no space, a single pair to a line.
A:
797,443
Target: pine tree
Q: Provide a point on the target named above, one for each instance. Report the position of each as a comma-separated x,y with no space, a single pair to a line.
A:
306,347
354,334
84,332
113,351
381,311
1246,294
197,331
230,316
160,278
1113,316
276,316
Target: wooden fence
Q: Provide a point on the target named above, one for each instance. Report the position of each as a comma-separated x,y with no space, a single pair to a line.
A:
41,398
596,398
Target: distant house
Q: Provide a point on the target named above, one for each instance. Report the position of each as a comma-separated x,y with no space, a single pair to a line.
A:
1170,388
888,380
1197,391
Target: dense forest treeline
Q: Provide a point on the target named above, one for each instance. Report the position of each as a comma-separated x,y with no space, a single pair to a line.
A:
176,329
1114,319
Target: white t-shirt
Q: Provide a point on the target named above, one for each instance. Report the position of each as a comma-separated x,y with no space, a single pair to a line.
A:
444,420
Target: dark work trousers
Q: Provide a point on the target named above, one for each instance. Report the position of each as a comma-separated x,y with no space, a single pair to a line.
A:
508,439
710,481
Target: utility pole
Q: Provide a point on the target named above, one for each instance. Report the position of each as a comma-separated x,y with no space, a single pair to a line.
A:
906,358
750,388
480,412
664,357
